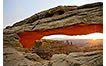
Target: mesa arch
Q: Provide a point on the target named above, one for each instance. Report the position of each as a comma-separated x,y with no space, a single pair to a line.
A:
27,39
69,20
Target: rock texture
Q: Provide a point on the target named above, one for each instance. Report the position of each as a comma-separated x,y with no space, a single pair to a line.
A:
61,16
12,57
58,17
78,59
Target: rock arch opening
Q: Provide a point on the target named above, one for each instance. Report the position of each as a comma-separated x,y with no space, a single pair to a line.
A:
61,37
28,38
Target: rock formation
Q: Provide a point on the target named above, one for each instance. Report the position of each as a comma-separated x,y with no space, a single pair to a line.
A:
75,20
59,17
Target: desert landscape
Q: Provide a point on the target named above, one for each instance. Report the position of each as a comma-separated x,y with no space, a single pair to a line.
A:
47,48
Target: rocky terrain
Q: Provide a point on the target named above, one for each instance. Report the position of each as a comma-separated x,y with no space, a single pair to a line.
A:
60,16
47,48
12,57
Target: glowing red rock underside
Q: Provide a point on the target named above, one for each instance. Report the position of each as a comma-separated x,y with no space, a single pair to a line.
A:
28,38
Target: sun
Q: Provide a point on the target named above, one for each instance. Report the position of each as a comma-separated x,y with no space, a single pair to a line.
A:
94,39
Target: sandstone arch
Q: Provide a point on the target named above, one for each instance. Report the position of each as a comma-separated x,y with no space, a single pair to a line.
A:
69,20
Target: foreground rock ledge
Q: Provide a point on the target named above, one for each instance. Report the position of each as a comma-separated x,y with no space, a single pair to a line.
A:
12,57
78,59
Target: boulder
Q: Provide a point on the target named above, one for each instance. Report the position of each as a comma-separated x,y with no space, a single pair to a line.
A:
33,57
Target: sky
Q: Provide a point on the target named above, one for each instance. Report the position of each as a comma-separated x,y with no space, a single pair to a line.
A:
67,37
16,10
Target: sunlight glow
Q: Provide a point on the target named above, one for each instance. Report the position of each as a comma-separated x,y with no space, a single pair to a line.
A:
94,39
92,36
